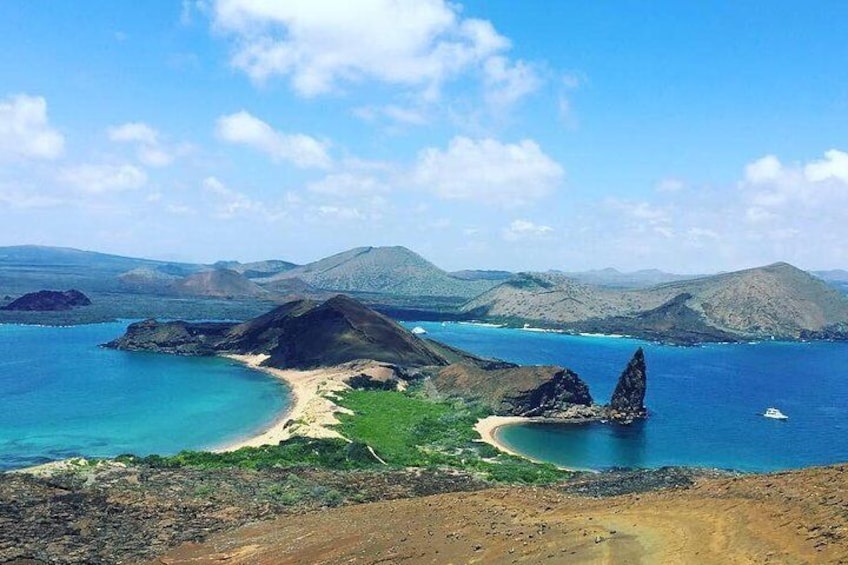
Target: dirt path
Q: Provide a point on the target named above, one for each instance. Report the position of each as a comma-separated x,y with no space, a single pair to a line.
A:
787,518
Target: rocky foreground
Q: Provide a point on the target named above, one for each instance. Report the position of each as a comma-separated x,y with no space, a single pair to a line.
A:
786,518
108,513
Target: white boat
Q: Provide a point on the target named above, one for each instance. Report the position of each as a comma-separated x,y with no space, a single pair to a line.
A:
418,330
775,414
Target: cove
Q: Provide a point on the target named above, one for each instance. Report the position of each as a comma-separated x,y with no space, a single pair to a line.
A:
705,403
61,395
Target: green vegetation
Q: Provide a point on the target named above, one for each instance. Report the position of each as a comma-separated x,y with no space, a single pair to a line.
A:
408,430
327,453
404,430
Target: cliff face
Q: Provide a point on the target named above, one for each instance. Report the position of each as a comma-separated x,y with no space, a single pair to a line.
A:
49,301
549,392
628,399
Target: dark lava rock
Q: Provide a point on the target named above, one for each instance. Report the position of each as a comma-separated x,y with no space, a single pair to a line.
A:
48,301
301,334
107,514
549,392
628,399
181,338
617,482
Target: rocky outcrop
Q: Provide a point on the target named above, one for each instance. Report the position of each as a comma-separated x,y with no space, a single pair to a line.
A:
628,399
301,334
178,338
546,391
49,301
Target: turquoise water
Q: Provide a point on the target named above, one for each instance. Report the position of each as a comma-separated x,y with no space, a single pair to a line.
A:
61,395
705,402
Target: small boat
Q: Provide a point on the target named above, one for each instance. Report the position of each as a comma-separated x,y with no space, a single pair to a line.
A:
775,414
418,330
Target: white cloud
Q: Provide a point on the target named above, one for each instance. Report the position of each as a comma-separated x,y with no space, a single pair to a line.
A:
323,44
348,184
764,170
507,83
345,213
833,166
525,229
98,179
24,129
230,203
134,131
155,156
488,171
301,150
149,150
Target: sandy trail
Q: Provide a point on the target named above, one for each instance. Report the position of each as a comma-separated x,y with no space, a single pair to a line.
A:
785,518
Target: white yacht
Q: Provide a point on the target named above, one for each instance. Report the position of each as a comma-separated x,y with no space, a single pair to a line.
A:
775,414
418,330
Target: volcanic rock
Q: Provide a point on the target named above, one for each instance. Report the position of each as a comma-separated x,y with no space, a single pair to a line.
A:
542,391
628,399
49,301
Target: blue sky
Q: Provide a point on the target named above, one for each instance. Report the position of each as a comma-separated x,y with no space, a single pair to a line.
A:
481,134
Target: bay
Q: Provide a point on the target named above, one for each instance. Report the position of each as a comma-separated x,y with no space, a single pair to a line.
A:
61,395
705,403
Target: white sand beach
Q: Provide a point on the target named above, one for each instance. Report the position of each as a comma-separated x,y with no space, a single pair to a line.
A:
310,413
487,428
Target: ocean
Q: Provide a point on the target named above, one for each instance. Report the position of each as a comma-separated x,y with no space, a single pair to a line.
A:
705,403
63,396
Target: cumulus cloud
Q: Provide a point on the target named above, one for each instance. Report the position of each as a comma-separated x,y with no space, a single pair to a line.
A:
300,150
25,132
98,179
322,44
488,171
834,166
525,229
150,150
764,170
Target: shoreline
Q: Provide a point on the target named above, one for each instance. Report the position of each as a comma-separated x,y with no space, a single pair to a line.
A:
309,414
488,427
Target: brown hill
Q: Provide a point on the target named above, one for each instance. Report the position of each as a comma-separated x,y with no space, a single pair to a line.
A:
219,283
382,270
777,300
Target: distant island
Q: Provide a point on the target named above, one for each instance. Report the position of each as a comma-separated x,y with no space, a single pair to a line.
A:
48,301
776,301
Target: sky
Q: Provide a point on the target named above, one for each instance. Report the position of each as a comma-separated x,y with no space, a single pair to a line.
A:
491,134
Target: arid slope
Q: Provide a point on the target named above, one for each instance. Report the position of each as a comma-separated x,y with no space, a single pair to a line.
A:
777,300
787,518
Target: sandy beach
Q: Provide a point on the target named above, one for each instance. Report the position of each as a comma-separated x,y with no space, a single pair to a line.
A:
310,413
487,428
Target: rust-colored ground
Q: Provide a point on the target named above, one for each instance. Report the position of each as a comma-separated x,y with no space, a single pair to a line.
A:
796,517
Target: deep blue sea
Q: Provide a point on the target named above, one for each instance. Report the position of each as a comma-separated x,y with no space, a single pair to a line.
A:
705,403
61,395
